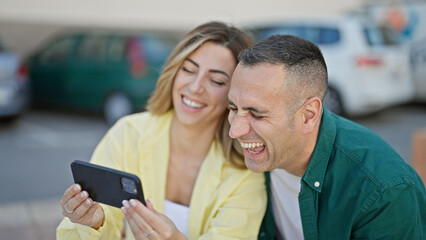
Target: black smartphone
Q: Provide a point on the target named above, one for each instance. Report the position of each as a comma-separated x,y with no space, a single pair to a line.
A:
107,185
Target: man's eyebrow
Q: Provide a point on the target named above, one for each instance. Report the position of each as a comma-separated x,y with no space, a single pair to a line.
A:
251,109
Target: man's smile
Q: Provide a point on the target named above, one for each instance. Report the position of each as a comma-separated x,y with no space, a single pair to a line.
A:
253,148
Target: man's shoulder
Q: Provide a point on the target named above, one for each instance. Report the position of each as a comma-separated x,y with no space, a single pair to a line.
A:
368,156
361,144
351,135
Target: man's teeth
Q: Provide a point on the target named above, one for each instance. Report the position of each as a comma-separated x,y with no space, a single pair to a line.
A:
251,145
191,103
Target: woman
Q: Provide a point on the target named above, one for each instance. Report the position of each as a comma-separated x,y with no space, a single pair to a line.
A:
189,167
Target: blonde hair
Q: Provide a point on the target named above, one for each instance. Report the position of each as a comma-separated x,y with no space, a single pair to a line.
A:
161,100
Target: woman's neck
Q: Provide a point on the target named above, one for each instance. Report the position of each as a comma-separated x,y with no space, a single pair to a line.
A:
190,142
189,146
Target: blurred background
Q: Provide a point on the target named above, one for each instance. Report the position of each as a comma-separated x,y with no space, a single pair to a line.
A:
70,69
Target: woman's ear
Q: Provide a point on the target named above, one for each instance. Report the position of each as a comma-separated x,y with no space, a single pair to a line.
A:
312,110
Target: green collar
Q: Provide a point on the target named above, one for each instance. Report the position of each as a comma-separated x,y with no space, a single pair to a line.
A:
314,175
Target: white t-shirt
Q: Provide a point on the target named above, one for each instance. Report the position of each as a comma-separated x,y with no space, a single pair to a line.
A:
285,188
179,214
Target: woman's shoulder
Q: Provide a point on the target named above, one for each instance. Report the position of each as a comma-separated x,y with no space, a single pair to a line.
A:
145,120
230,172
227,169
141,126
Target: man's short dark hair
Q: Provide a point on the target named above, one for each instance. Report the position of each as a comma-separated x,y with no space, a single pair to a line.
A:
302,60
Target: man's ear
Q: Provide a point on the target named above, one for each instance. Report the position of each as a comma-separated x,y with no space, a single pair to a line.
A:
312,110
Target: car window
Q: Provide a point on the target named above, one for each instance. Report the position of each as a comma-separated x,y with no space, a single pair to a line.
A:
92,48
329,36
317,35
147,51
58,51
116,49
156,48
381,36
295,31
311,34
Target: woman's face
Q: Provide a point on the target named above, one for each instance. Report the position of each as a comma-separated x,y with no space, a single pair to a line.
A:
200,89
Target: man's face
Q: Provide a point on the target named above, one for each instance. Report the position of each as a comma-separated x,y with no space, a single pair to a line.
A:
260,119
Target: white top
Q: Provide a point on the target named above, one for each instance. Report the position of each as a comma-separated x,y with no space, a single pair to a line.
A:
179,214
285,188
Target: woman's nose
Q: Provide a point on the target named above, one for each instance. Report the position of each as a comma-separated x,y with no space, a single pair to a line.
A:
197,85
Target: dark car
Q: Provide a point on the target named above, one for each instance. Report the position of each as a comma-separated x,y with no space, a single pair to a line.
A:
111,74
14,86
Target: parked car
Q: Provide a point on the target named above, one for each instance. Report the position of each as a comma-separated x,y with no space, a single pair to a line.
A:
418,69
14,85
111,74
408,19
367,70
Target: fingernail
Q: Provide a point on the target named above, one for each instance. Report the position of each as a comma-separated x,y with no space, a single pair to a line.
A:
88,201
76,187
133,202
125,203
124,210
83,194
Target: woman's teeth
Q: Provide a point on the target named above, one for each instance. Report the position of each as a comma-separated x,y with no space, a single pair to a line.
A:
191,103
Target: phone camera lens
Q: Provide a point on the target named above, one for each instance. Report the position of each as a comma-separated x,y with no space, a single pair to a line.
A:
129,186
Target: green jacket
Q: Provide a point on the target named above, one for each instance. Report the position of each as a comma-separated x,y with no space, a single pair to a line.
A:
365,190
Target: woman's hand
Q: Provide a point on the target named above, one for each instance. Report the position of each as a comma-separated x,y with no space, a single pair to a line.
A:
80,208
146,223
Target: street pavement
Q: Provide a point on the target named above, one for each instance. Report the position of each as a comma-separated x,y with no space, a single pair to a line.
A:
35,155
31,220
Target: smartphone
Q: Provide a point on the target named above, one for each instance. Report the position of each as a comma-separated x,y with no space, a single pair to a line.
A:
107,185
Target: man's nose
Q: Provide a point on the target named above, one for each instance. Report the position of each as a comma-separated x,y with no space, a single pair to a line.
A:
239,126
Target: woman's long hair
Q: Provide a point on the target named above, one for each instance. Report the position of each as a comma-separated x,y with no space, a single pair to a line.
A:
161,100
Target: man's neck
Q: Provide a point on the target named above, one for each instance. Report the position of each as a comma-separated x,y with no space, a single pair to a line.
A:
304,157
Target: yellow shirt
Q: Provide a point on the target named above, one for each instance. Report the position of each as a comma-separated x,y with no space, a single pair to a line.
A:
227,203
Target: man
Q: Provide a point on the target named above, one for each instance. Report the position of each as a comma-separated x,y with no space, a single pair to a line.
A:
329,178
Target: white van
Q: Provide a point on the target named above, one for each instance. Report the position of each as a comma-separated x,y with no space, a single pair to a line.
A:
367,72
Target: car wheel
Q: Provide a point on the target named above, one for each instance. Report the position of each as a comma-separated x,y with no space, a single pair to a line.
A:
116,105
333,102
